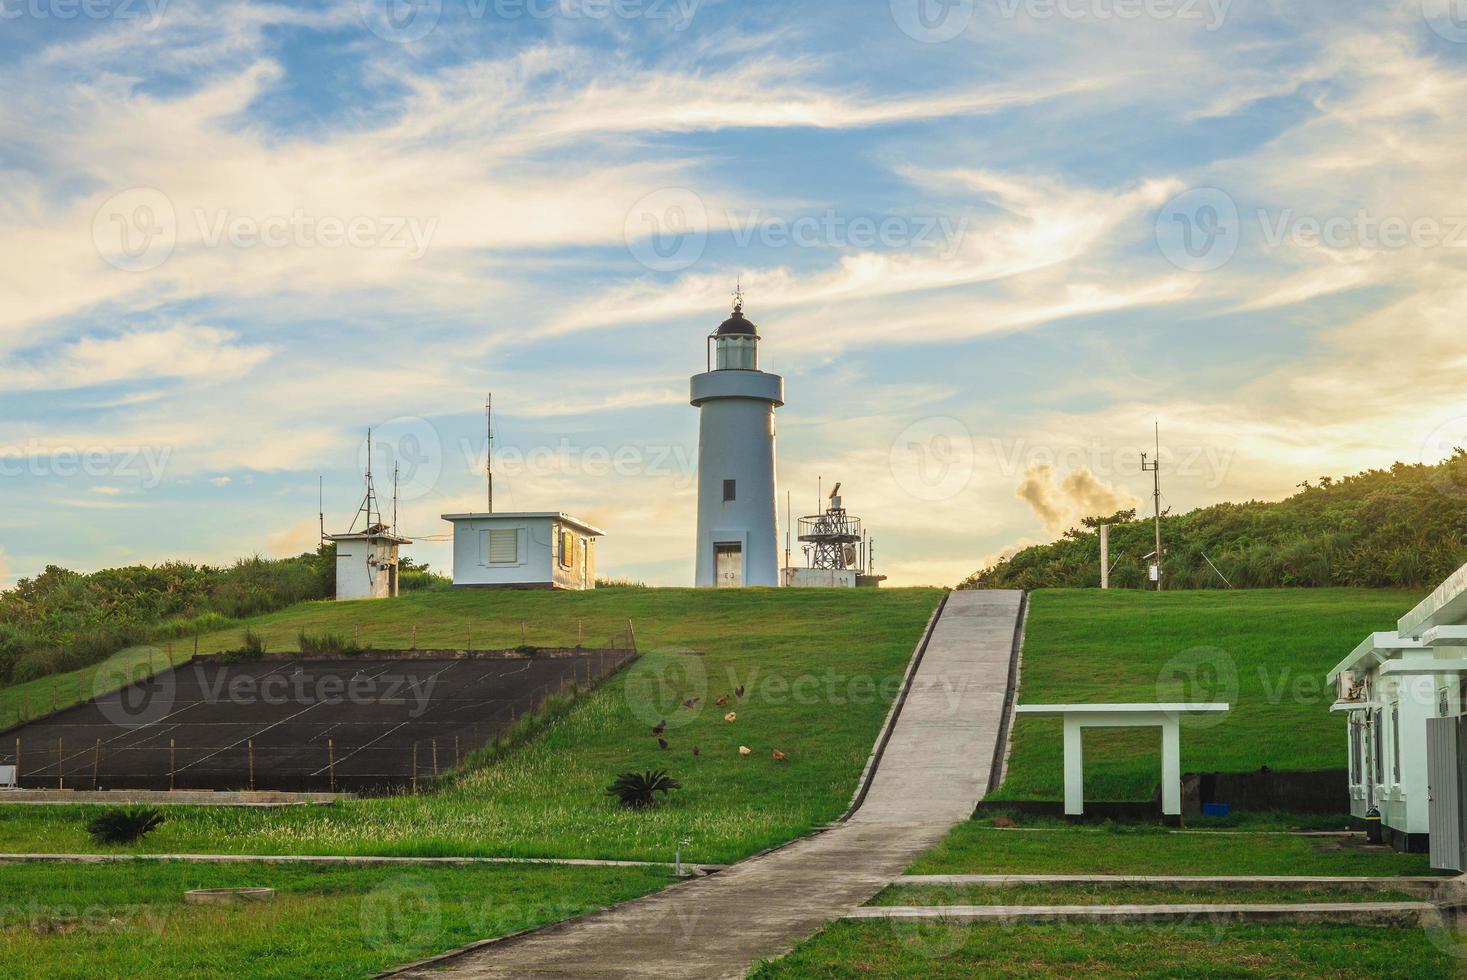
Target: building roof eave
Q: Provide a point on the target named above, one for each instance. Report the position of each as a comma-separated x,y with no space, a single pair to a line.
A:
1376,648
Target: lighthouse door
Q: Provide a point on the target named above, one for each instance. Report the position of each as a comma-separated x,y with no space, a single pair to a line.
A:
728,566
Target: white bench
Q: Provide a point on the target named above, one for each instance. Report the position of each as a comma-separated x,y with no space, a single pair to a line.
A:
1078,717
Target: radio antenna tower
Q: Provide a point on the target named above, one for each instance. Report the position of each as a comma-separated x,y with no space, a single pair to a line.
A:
1154,467
489,447
369,507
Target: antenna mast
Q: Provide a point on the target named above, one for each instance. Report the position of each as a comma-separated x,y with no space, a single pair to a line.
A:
369,502
394,498
1154,467
489,442
321,504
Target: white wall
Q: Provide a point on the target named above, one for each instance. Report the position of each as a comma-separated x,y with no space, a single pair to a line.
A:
356,578
1401,798
821,578
535,554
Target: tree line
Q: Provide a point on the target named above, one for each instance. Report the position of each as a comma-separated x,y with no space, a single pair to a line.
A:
1402,527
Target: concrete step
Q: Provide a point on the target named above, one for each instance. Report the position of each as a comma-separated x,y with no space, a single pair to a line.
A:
1399,914
1417,884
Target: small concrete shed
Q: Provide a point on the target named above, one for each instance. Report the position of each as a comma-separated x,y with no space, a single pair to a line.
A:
366,563
524,550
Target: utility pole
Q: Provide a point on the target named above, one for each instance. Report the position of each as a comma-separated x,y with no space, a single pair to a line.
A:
1155,468
1105,556
489,444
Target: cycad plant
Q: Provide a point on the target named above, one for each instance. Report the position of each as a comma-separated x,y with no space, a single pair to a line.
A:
636,790
123,826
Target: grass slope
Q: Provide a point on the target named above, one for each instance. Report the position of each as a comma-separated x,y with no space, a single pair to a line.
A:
1264,651
131,921
820,668
35,698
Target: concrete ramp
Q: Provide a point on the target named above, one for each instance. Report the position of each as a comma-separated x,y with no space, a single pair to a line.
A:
937,762
931,771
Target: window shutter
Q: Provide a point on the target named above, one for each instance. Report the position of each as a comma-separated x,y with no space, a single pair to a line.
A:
504,545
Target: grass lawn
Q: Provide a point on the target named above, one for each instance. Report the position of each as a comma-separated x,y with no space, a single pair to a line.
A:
1142,849
820,667
1080,894
1264,651
115,920
906,949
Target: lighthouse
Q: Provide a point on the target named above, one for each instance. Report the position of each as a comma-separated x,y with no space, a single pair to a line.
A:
738,538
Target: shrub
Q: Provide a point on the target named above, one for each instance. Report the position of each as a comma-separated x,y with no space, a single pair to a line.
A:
251,648
330,644
636,790
123,826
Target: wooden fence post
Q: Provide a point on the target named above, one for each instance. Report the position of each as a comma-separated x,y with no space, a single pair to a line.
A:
331,761
455,751
435,758
251,748
60,780
172,764
415,767
96,762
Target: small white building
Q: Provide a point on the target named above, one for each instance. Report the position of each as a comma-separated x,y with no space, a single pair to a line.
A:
1392,688
526,550
366,563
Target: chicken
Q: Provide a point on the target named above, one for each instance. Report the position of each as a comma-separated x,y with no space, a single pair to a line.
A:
779,756
697,751
689,702
731,716
662,744
739,692
745,750
660,727
722,701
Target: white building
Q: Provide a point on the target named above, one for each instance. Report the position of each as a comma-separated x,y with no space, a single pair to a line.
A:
366,563
738,533
1392,687
527,550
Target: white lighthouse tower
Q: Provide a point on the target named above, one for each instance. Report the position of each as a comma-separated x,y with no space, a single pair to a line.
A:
738,537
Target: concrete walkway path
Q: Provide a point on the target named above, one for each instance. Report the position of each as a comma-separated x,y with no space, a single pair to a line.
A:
352,860
932,771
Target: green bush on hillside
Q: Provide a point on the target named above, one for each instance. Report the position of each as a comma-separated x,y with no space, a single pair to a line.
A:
1405,527
61,620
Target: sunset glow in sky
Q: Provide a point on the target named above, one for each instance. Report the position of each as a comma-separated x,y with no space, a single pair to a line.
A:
987,243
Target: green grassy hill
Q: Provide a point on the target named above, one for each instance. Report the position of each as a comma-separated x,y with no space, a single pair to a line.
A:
1405,527
1265,651
820,668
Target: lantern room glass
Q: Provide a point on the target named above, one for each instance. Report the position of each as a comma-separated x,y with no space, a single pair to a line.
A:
736,353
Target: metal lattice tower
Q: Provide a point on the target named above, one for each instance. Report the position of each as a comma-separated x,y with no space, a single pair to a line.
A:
831,538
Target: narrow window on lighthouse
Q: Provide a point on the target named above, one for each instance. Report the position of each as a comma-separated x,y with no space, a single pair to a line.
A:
728,490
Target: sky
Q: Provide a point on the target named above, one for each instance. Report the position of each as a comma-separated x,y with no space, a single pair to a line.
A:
988,244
